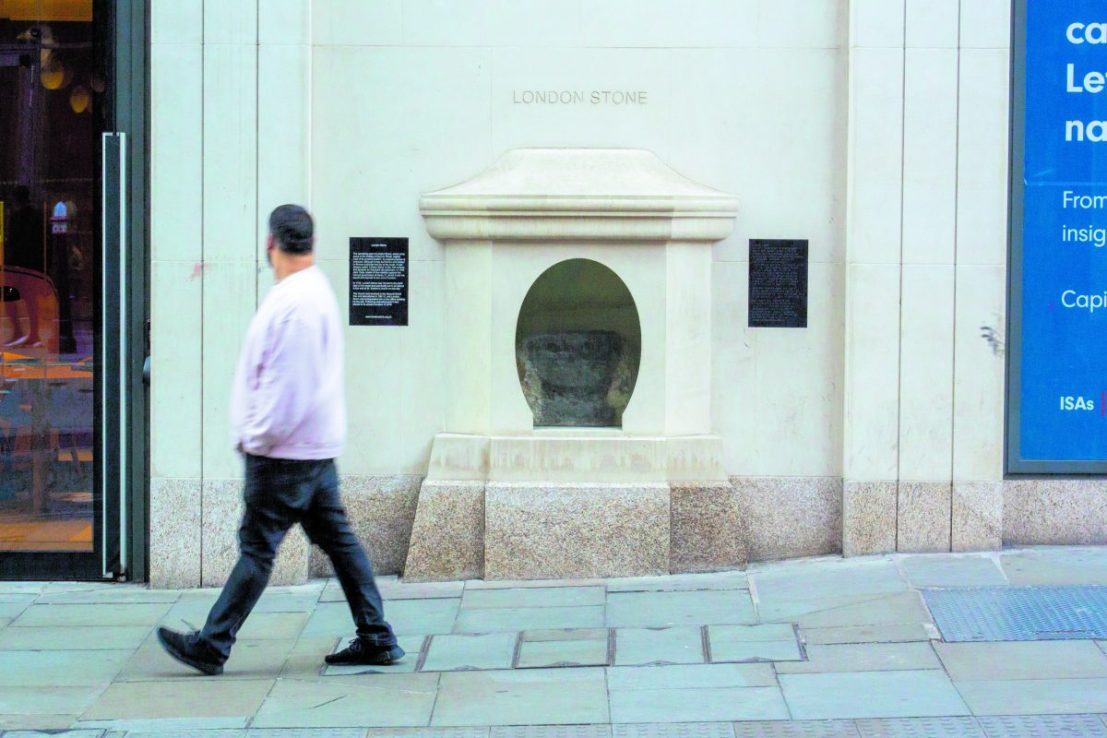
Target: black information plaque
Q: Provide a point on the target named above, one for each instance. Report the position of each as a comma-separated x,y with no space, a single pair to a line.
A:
378,281
778,284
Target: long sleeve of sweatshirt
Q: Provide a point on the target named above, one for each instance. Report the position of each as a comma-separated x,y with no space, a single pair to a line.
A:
288,391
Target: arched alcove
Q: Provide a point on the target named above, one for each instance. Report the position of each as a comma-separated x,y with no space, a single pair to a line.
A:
578,345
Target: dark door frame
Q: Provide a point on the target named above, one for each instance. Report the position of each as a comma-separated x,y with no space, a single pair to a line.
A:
122,536
132,106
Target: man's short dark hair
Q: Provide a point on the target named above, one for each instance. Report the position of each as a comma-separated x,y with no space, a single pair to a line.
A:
292,229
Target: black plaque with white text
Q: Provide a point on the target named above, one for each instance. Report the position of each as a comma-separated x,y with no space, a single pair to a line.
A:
378,281
778,284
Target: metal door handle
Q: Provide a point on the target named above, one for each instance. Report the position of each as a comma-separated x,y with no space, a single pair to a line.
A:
113,244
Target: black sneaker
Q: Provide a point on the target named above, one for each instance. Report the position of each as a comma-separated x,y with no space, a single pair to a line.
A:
361,653
185,648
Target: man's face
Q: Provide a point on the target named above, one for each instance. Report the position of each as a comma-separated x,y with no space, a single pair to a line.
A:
269,246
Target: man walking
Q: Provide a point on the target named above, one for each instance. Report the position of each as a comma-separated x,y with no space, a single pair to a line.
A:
289,419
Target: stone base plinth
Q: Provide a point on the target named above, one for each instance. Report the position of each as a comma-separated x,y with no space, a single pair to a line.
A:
1040,512
869,517
222,510
791,517
175,533
708,529
382,511
977,516
447,538
556,531
923,517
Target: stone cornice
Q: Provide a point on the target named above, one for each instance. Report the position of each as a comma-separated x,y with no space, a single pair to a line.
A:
579,194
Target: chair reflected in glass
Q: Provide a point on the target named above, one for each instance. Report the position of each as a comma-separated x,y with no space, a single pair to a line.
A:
46,423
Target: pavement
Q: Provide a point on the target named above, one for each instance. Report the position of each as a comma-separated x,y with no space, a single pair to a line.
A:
824,647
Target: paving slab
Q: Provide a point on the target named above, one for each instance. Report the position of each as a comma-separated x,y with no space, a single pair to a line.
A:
468,652
680,582
1043,726
191,614
37,722
305,661
91,615
250,659
690,676
753,651
63,586
464,732
179,733
656,609
339,702
550,653
945,570
34,588
407,617
1056,566
501,619
332,591
1035,696
207,702
1022,660
872,695
420,617
947,727
302,733
673,730
534,597
63,734
853,610
684,705
57,638
797,729
641,646
471,584
548,731
864,657
48,669
118,594
34,701
829,578
329,619
565,634
905,633
753,643
528,696
752,633
13,605
123,727
286,603
394,590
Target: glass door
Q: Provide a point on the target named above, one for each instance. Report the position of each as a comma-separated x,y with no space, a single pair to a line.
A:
55,106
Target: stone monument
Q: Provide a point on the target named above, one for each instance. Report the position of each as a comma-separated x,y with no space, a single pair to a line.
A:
587,449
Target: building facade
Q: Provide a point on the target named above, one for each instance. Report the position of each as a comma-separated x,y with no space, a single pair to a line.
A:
687,150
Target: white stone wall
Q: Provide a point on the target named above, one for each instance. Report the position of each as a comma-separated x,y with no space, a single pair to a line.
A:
874,128
926,255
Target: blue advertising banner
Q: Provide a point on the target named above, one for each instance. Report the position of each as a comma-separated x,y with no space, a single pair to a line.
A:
1059,275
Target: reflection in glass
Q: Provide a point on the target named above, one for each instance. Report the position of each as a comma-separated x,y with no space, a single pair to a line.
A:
50,125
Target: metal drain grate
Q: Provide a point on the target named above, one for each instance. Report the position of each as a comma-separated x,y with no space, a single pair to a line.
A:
1019,613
